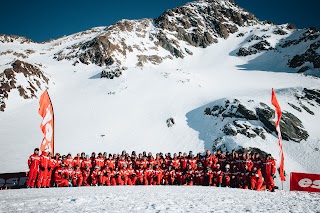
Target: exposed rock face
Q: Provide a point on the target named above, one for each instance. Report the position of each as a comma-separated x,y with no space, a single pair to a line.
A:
208,20
280,32
244,121
170,122
310,55
256,48
111,74
17,77
309,96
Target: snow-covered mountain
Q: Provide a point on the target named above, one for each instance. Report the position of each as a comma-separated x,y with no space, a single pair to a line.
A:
210,65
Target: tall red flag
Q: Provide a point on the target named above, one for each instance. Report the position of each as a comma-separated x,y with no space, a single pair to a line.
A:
47,124
275,103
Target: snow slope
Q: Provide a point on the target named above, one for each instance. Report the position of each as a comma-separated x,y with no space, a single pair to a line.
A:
156,199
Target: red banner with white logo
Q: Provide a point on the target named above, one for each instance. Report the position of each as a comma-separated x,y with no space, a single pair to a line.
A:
276,104
304,182
47,124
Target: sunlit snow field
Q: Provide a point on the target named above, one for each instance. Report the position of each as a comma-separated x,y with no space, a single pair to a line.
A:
156,199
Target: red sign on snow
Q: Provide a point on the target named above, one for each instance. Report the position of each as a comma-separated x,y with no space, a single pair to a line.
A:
304,182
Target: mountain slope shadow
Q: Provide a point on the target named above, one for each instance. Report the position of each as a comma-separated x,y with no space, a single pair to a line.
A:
206,127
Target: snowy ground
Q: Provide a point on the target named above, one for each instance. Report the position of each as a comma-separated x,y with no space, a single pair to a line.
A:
156,199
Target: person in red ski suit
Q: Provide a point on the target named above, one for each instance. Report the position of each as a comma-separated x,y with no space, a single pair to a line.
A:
85,176
189,176
106,175
122,162
217,175
123,175
199,175
99,161
43,166
180,176
152,161
86,162
193,162
144,163
77,176
140,175
170,176
60,176
227,176
184,161
269,171
244,181
168,160
158,175
208,159
69,160
54,163
51,165
148,175
222,161
256,179
111,162
175,163
248,163
77,161
208,176
96,176
257,161
33,163
131,175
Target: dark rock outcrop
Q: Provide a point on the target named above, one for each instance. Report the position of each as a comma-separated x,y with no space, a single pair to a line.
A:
310,55
8,81
292,128
244,121
256,48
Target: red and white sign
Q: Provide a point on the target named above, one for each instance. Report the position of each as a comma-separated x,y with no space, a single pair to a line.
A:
47,124
304,182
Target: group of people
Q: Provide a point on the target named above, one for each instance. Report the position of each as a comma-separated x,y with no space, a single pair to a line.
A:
236,170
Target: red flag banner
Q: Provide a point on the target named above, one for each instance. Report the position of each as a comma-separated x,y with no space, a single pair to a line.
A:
47,124
304,182
275,103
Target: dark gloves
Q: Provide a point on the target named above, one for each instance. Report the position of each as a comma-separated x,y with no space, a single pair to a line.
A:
42,168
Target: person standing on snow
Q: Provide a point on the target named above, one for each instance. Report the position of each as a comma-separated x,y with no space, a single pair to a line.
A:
269,168
43,166
33,163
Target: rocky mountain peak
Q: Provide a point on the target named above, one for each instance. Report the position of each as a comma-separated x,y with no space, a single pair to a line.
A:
199,24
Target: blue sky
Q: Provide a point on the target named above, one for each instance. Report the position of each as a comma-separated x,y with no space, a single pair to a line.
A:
42,20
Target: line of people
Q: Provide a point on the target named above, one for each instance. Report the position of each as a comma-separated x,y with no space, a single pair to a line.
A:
236,170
